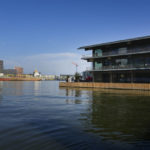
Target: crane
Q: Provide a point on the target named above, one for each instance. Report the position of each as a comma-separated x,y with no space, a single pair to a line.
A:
76,65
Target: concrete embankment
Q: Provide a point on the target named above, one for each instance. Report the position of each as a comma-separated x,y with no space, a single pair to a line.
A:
19,79
133,86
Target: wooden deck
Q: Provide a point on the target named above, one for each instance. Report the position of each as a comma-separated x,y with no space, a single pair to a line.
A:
133,86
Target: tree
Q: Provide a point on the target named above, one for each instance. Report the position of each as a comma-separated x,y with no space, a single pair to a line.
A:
77,77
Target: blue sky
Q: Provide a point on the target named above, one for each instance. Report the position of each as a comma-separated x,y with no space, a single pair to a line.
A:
37,33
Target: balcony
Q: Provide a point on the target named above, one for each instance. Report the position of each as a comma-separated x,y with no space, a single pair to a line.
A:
118,53
125,67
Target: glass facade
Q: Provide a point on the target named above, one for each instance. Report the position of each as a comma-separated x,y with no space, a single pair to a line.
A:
121,61
98,65
121,50
147,62
98,52
123,77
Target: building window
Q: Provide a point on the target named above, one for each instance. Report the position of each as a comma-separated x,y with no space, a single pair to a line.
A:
138,62
122,50
121,62
147,62
98,65
98,52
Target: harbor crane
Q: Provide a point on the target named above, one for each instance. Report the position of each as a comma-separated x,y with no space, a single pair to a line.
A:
76,65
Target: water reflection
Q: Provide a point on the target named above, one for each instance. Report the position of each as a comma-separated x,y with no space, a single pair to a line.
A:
1,87
76,96
45,116
36,87
12,88
119,116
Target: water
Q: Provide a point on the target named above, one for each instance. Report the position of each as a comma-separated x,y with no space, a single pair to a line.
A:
41,116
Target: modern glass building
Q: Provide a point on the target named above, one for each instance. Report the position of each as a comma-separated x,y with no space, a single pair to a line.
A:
125,61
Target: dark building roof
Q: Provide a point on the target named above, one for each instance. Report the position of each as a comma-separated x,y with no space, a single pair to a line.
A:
118,43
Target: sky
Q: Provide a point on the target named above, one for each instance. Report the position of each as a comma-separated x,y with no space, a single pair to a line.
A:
45,34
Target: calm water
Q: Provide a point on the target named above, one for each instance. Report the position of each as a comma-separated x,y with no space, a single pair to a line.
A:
42,116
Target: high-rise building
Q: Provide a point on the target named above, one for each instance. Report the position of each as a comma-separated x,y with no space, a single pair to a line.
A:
1,66
19,70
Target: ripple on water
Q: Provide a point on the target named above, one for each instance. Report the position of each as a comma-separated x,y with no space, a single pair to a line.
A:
39,115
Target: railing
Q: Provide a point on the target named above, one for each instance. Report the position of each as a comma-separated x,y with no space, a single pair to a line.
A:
87,56
117,53
121,67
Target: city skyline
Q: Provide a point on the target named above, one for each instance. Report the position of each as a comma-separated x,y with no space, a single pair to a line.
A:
45,34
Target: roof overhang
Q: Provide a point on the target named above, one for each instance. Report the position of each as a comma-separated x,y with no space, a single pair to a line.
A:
117,43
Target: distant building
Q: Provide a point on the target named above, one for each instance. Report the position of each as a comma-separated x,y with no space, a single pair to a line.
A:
19,70
1,74
65,76
1,66
49,77
10,71
36,73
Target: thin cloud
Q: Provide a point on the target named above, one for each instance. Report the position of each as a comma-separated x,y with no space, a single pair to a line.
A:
51,63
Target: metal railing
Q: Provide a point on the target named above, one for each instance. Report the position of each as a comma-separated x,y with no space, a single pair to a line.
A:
117,53
121,67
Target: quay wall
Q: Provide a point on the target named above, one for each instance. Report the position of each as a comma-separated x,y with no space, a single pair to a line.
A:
133,86
19,79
